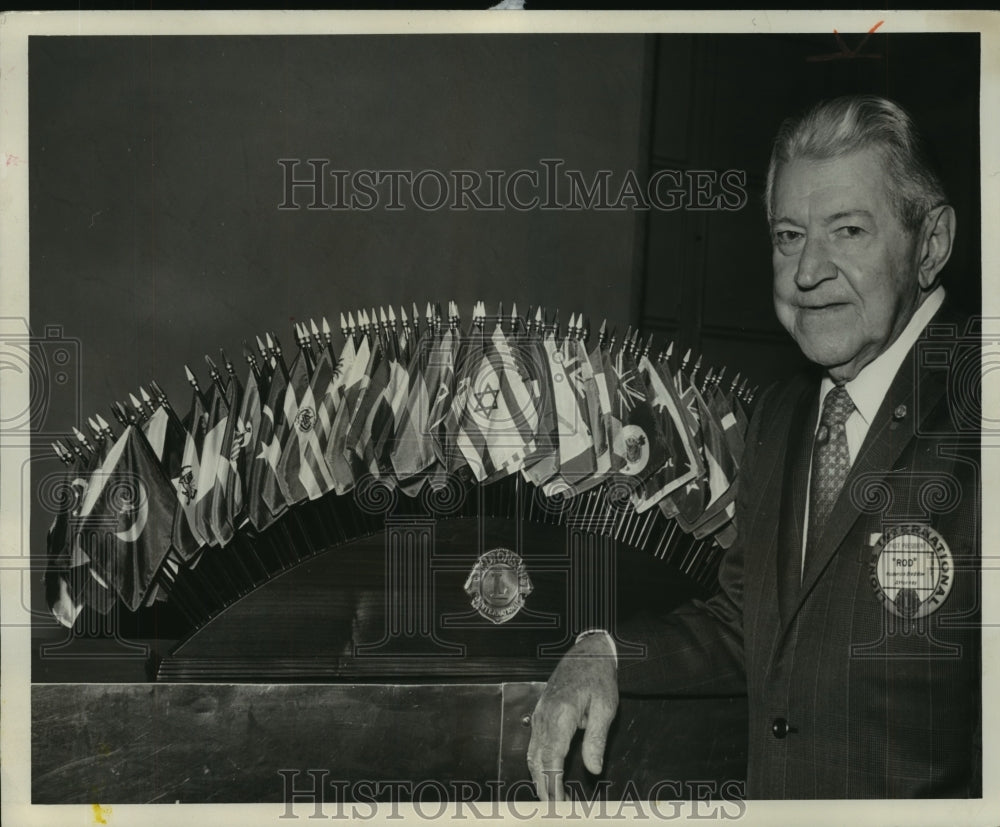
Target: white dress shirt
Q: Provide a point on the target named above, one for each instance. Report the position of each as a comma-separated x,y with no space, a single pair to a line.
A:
869,387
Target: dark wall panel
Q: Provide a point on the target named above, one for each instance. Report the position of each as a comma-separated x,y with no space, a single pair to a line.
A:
155,184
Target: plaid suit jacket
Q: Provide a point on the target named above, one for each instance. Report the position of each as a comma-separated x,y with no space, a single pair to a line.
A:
850,696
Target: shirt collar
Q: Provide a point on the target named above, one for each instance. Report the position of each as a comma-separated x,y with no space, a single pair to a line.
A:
870,386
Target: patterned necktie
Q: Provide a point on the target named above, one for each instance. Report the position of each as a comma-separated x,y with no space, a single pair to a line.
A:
831,461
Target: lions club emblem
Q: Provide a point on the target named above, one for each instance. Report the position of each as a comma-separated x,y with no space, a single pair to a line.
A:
911,570
498,584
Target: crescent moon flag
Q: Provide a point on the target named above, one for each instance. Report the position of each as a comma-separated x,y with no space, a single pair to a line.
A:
126,518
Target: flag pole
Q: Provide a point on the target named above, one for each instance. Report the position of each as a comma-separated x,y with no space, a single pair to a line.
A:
105,427
95,429
193,382
230,367
213,371
82,439
274,343
328,341
119,414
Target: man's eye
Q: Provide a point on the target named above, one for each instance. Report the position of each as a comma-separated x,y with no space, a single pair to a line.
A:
850,232
786,237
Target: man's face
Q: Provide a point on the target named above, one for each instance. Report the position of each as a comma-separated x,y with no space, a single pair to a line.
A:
845,270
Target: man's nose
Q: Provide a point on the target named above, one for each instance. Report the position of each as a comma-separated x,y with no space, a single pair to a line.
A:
815,264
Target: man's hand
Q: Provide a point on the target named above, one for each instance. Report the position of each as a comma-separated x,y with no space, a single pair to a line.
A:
581,694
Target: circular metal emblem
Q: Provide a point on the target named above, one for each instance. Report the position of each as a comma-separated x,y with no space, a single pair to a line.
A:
304,419
498,584
911,570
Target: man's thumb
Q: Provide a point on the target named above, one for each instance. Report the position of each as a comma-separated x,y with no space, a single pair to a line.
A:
595,736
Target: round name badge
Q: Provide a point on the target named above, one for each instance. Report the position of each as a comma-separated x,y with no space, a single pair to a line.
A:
912,570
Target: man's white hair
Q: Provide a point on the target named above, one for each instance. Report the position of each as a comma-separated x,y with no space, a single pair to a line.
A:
847,124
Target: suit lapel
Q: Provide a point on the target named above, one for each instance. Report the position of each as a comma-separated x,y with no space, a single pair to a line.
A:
793,498
895,425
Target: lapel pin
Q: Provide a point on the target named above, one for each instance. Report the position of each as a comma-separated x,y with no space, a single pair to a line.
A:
899,413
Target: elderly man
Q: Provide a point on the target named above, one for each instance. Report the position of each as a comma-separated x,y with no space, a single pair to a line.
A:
849,605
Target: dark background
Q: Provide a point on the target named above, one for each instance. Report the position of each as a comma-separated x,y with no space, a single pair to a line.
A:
156,238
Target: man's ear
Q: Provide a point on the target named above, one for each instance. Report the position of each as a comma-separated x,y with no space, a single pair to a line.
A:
938,234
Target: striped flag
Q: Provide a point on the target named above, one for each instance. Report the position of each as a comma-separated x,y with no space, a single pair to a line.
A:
356,378
190,533
264,498
447,362
327,388
722,469
213,468
513,423
358,447
413,450
168,439
243,449
603,435
542,463
579,370
466,441
156,428
687,503
577,457
681,462
387,418
223,515
301,470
